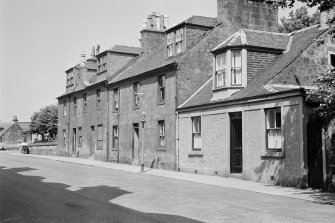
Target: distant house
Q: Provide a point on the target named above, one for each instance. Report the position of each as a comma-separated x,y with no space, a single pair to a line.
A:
13,133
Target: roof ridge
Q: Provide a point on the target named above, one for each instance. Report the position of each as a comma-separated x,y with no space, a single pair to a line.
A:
261,31
304,29
132,61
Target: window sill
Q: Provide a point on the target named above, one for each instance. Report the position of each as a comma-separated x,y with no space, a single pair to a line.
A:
161,103
227,87
275,154
161,148
195,154
115,149
101,72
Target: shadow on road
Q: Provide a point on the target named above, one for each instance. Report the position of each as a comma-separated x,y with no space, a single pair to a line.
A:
29,199
321,197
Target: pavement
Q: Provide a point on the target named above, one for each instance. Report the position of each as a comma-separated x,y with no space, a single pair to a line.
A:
303,194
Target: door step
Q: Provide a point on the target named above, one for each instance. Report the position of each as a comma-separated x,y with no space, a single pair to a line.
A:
236,176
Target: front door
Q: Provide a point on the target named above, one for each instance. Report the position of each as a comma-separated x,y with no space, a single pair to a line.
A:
236,142
74,141
314,154
92,141
135,148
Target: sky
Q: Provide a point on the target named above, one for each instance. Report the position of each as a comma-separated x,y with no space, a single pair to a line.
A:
40,39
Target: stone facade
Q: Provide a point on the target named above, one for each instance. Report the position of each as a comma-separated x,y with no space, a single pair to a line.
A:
250,14
284,168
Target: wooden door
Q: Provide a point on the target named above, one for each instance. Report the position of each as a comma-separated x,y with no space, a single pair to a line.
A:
136,140
236,157
92,140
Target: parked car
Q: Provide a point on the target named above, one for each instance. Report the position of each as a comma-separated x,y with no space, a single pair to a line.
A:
2,148
24,148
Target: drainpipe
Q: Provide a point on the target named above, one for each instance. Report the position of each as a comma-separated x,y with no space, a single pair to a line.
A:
107,146
177,140
68,129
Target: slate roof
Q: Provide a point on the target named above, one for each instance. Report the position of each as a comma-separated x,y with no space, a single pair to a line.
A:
198,21
5,126
255,38
301,40
155,58
25,126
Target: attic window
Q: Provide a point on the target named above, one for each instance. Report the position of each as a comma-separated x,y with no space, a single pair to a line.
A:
174,41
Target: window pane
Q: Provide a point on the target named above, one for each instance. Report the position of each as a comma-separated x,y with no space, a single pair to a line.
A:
274,138
278,118
236,59
270,118
219,62
236,76
197,141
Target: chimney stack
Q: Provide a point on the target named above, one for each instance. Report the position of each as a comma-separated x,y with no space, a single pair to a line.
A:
250,14
153,28
15,121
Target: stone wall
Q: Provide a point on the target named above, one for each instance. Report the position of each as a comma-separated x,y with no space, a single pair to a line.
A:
251,14
49,149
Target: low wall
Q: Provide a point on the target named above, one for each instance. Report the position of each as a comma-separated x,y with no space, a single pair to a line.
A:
43,148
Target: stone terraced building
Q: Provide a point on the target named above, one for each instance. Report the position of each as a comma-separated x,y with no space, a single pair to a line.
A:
221,96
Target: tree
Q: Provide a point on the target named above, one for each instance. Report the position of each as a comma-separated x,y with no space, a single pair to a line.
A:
298,20
45,122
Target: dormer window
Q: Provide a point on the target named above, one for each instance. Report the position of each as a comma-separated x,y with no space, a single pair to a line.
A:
174,41
236,67
221,69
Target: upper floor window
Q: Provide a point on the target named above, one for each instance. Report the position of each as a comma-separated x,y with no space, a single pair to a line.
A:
69,78
220,70
74,105
175,42
161,125
64,108
102,64
161,88
84,102
116,99
273,128
196,133
98,98
136,88
236,67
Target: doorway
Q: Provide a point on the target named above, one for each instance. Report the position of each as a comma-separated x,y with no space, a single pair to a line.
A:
314,154
92,140
236,158
135,147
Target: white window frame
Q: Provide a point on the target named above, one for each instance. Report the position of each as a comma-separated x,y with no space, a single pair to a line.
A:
196,133
274,129
220,70
236,69
175,42
162,138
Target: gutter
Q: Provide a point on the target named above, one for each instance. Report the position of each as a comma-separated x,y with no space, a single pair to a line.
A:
299,91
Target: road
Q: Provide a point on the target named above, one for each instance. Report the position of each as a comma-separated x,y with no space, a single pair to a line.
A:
40,190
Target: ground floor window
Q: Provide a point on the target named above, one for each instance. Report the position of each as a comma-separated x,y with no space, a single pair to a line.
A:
161,125
273,128
115,142
64,137
80,137
100,137
196,133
